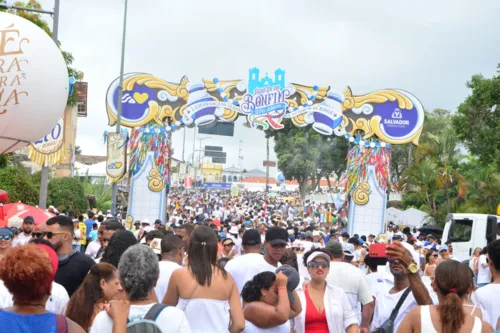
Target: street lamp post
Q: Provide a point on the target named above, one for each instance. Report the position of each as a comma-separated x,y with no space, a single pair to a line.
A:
114,188
199,158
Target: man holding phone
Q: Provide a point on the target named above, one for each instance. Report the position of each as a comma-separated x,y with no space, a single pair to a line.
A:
406,275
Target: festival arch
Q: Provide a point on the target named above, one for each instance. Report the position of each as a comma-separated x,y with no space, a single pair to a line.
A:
153,108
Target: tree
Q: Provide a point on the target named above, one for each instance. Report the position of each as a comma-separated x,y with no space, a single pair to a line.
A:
67,194
100,191
477,121
78,150
307,156
17,182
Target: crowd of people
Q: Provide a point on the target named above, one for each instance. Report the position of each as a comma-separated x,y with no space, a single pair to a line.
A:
245,264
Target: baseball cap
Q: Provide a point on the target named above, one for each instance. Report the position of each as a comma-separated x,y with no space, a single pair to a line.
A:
334,247
145,221
155,245
29,219
308,234
442,248
315,233
251,237
348,249
276,235
317,254
6,231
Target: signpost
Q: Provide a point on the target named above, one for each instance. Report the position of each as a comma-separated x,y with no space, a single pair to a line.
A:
271,164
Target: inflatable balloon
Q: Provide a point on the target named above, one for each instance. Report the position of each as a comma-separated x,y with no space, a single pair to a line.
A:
34,83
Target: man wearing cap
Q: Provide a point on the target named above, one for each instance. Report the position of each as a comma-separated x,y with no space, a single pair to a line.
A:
25,236
5,240
352,280
243,268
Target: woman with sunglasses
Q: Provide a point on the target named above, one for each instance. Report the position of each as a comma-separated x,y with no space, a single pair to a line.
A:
431,259
325,308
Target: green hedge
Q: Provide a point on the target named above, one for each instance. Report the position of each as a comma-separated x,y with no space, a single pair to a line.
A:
19,185
66,193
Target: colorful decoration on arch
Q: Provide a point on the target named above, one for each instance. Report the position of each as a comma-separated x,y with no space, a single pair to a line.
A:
151,138
392,116
49,150
360,157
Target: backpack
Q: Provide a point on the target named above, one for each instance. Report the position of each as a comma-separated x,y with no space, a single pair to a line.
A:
147,324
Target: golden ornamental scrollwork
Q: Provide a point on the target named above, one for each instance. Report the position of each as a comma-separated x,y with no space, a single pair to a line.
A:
361,194
155,183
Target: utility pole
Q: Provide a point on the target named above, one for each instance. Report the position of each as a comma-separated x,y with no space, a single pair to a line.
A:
194,148
267,164
114,188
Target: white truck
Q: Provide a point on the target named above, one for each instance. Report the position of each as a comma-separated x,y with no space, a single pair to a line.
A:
469,231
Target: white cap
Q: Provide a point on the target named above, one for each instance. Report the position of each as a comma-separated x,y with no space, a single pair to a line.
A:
316,233
318,254
145,221
234,230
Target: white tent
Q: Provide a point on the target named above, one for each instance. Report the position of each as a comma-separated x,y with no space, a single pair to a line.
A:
411,217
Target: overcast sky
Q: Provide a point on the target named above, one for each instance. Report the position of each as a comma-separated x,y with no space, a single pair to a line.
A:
430,48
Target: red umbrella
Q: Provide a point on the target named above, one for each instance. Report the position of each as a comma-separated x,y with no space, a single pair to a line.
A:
16,212
4,196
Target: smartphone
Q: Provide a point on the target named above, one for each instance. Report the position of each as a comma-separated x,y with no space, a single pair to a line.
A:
377,251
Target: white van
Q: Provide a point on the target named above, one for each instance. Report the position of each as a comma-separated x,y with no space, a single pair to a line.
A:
468,231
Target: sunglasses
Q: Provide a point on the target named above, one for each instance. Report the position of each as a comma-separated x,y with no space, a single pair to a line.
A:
316,264
435,255
230,244
48,234
106,240
5,237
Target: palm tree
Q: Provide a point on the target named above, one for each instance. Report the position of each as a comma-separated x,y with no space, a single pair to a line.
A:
422,175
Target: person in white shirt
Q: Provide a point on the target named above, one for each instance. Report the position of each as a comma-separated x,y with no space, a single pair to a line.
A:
27,228
139,271
352,280
172,252
406,274
243,268
487,297
483,269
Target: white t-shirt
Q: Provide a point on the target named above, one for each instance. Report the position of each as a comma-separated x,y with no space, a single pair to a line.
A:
21,239
78,234
56,303
488,299
170,320
483,273
92,249
353,281
387,302
378,281
245,267
166,270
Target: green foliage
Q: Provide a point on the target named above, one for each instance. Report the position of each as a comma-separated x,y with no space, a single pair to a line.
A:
78,150
477,121
18,183
305,155
66,193
100,191
37,19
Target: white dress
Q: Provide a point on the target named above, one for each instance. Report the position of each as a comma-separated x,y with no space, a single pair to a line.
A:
428,327
251,328
206,315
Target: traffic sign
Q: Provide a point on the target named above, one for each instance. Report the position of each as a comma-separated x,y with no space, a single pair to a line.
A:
270,163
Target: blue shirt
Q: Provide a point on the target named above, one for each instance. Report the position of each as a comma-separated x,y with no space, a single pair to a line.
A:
93,235
33,323
89,223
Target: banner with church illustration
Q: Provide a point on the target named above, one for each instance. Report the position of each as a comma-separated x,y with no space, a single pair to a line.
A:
372,121
49,150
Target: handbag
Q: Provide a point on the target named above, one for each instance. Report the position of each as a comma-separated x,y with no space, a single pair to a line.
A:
388,325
